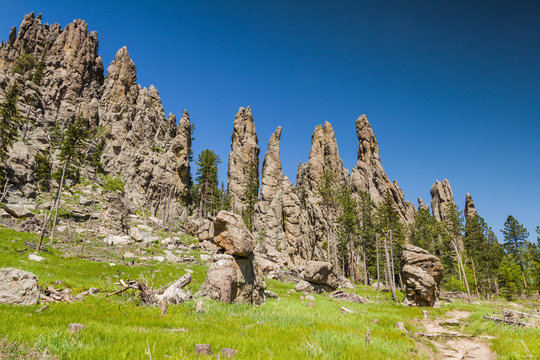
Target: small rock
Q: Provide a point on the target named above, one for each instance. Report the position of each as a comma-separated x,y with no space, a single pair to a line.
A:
159,258
206,258
199,306
270,294
401,326
61,228
18,287
425,314
346,310
301,297
202,349
92,290
75,327
346,284
35,257
128,255
311,304
303,286
117,240
310,298
228,353
376,321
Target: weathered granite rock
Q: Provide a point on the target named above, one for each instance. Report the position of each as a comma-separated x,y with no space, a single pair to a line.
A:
441,197
141,145
422,205
243,159
279,225
234,280
368,174
231,234
470,209
18,287
422,274
321,273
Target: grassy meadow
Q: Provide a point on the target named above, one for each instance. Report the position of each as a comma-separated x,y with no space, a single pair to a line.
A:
119,328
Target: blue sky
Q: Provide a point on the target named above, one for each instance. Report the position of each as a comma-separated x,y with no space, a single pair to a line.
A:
451,89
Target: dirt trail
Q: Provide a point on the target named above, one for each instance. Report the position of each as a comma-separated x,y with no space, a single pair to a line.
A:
451,343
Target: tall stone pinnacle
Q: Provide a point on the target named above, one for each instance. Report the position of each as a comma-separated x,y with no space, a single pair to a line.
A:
441,197
243,158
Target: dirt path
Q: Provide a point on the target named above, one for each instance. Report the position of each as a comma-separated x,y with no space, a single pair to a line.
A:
446,335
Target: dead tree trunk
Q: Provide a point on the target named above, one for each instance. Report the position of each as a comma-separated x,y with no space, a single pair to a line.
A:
460,263
57,200
390,272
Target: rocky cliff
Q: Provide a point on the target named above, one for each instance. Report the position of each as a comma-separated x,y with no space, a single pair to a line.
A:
141,144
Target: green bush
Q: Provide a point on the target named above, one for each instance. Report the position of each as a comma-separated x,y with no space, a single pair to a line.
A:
112,183
24,63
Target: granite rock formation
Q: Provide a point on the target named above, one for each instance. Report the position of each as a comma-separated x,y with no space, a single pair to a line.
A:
422,274
441,197
233,277
141,144
243,159
470,209
369,175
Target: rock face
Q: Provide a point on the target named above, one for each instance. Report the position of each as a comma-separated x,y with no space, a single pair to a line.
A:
368,174
441,197
324,161
279,224
140,144
470,209
233,278
243,159
18,287
422,274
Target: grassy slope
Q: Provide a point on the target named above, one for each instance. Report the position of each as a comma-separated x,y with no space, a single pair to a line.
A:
280,329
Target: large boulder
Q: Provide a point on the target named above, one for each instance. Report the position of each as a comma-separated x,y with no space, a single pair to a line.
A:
321,273
422,274
232,235
18,287
234,280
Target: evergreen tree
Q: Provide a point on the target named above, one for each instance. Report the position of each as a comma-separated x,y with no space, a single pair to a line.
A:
43,169
509,278
72,149
515,242
423,232
366,234
10,120
348,230
252,193
23,64
206,181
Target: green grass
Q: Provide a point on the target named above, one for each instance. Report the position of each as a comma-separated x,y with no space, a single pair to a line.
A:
279,329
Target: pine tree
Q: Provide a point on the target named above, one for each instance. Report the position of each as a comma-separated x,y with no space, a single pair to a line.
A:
509,278
515,242
328,193
366,233
348,230
42,175
423,232
206,181
10,120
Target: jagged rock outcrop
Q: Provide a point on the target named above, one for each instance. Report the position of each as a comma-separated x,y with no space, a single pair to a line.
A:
422,273
279,225
441,197
243,159
470,209
233,277
145,148
368,174
324,161
422,205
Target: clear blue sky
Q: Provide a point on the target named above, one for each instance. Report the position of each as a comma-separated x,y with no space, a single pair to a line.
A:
452,89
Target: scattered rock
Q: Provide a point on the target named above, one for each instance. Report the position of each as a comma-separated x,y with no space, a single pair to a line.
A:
20,210
345,310
117,240
228,353
425,314
311,304
199,305
303,286
310,298
342,295
203,349
401,326
271,294
18,287
206,258
35,257
321,276
128,255
75,327
376,321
